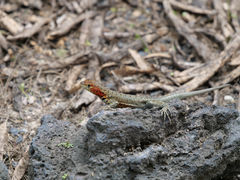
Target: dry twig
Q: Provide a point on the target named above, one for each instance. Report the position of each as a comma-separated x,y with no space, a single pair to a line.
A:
69,24
193,9
222,19
211,67
29,32
183,29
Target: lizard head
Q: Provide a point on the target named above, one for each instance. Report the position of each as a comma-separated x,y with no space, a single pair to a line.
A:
93,87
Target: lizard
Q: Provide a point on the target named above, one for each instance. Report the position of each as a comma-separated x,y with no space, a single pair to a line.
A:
120,100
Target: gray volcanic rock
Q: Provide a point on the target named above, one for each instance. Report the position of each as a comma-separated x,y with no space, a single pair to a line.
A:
49,158
201,143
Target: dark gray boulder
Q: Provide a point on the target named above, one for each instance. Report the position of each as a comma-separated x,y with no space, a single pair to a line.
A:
199,143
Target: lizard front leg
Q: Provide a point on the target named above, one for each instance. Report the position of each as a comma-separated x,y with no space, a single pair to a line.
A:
111,103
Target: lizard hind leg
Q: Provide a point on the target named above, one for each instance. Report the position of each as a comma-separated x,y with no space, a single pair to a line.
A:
165,112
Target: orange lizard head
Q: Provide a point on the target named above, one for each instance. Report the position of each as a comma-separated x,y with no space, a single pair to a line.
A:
94,88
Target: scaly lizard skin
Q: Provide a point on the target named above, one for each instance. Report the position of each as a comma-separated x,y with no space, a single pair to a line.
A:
120,100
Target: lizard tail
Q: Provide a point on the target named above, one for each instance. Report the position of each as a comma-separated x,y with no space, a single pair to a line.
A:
189,94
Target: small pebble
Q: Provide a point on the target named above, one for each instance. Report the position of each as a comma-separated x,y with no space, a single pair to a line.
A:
229,98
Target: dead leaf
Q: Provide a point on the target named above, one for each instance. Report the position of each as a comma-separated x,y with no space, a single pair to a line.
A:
22,166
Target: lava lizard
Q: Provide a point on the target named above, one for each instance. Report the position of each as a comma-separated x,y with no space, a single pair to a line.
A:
120,100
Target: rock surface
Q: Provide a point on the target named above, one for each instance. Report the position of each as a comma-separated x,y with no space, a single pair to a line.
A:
3,171
199,143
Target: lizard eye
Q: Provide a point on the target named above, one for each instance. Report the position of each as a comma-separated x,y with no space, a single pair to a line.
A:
88,86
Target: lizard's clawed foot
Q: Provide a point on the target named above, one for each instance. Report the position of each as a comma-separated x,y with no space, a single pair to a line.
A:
165,112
